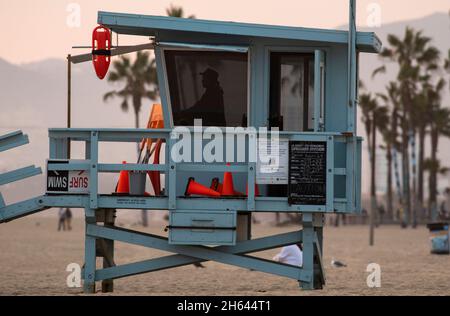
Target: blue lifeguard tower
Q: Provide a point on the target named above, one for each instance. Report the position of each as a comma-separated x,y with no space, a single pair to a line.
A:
302,81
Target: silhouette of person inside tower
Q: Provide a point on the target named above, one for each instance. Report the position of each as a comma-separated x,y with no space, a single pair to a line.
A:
210,107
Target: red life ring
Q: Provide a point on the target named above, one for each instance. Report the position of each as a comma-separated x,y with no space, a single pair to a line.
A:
101,50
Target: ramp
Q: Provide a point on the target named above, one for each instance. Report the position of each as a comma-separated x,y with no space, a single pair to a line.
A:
17,210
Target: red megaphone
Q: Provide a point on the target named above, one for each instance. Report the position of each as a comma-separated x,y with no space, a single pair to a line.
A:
101,50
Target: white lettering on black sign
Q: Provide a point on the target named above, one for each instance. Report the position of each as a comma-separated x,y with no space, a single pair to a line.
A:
307,173
57,181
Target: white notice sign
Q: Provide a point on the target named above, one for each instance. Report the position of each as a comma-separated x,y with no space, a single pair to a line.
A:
273,162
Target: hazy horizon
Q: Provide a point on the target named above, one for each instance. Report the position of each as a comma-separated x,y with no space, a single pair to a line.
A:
44,32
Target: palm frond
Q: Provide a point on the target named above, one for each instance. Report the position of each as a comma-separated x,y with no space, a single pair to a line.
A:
175,11
394,40
383,97
387,53
379,70
124,105
443,171
361,84
440,85
109,95
447,62
430,55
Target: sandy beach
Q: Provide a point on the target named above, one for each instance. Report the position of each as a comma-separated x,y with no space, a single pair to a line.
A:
34,257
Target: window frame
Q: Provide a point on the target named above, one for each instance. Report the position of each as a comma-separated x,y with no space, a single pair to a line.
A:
199,48
269,49
307,96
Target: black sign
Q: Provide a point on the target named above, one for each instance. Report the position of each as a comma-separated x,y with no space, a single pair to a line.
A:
57,181
307,173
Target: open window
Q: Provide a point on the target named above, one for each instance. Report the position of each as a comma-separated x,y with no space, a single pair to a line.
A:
209,85
292,91
297,91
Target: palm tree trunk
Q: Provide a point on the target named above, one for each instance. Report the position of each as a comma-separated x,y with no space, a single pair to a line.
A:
373,197
390,203
136,107
407,102
397,184
414,178
406,182
432,204
420,175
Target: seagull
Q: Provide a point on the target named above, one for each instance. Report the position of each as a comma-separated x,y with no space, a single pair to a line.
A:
337,264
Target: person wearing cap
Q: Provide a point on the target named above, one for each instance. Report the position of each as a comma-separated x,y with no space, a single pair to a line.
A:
210,107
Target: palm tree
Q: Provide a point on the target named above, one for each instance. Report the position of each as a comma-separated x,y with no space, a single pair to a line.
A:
421,111
440,126
431,166
140,78
411,53
138,81
375,119
177,12
421,120
390,135
367,106
425,101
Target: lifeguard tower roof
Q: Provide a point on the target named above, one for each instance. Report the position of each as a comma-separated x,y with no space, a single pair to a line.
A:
224,32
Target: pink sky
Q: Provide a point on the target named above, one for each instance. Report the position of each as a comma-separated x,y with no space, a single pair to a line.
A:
34,30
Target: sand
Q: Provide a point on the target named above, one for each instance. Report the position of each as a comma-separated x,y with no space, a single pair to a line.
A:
34,257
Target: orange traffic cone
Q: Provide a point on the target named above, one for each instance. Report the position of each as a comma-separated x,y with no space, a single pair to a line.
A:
123,186
228,186
256,190
194,188
216,185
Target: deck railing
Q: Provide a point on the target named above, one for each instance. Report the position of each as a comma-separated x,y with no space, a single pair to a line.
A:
337,166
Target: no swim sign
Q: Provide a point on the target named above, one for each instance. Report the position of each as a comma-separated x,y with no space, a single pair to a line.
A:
66,182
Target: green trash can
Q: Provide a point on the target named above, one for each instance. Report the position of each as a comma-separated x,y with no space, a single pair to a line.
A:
439,238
